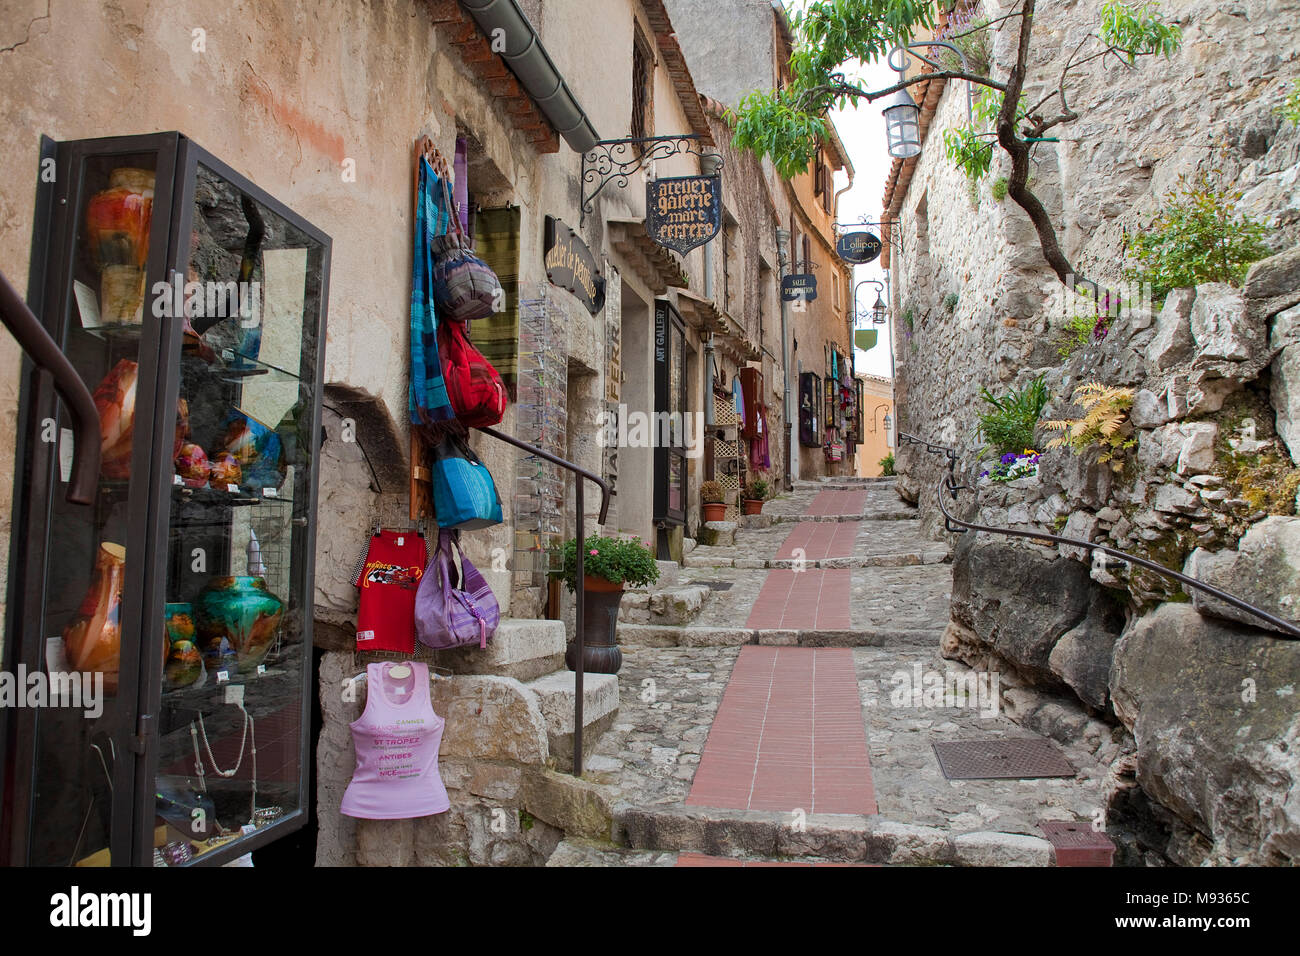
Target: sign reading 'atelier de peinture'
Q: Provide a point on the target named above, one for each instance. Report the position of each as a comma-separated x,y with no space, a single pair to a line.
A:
570,264
683,212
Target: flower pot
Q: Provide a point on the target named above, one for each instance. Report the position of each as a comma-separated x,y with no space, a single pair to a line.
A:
715,511
600,652
752,506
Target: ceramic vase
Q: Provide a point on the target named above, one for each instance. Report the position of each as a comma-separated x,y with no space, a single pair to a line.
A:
117,226
93,638
236,615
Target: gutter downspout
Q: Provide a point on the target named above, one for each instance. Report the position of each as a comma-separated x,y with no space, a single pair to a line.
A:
783,260
532,66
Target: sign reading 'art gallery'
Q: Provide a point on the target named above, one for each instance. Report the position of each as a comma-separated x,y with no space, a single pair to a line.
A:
570,264
683,212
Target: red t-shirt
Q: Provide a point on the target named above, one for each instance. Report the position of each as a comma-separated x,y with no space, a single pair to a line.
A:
388,577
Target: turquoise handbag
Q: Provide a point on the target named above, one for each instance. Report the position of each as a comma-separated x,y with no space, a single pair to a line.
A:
464,494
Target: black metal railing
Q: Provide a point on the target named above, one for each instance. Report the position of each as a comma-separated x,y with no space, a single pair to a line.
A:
579,588
958,526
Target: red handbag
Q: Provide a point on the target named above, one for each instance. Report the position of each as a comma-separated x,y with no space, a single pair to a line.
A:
477,394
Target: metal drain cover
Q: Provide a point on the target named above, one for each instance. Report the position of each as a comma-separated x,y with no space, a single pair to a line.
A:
1016,758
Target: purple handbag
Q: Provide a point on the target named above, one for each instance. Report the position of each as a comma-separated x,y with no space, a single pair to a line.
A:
447,616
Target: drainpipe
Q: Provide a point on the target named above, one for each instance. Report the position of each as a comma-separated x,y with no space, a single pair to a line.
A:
532,66
783,259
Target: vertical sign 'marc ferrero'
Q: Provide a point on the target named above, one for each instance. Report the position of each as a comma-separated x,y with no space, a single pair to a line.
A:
683,212
571,266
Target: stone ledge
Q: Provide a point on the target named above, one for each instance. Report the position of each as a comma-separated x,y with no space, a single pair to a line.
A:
655,635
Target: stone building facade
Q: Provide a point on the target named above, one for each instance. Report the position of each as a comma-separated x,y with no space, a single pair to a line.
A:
1093,647
319,104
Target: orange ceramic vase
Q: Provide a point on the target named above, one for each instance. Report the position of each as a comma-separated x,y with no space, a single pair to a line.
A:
93,639
117,225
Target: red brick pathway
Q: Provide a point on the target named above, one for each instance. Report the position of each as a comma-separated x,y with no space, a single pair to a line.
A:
821,539
838,503
788,735
803,600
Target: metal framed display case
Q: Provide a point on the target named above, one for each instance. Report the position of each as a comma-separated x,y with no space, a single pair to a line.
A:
194,304
670,408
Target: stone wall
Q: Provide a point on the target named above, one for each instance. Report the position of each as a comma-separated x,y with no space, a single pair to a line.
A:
1197,689
974,300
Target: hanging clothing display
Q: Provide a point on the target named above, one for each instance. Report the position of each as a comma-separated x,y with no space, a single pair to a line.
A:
396,738
428,401
759,459
388,574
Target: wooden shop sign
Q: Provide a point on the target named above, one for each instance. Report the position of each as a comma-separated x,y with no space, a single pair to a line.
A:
683,212
571,266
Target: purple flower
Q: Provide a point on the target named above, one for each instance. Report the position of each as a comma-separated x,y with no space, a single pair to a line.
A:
1009,457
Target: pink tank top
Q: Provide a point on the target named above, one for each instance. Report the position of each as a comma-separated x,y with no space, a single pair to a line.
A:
396,738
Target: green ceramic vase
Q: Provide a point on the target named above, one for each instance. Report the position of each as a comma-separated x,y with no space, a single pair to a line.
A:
241,612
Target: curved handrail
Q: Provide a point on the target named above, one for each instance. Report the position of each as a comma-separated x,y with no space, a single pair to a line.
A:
579,583
47,355
949,484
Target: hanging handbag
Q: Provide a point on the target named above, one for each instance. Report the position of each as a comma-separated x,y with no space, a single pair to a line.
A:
464,286
464,494
475,388
448,615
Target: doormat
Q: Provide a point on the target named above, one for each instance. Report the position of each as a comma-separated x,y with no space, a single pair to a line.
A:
1018,758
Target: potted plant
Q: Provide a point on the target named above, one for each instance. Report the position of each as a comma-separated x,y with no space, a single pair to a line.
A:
715,508
755,494
609,565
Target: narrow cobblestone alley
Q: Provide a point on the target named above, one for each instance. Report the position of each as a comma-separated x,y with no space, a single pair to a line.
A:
716,752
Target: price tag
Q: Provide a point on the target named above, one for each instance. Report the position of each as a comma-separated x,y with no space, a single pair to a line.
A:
268,493
67,448
401,541
176,480
261,668
223,676
233,489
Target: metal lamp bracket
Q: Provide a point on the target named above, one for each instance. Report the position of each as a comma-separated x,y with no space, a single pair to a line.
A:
617,160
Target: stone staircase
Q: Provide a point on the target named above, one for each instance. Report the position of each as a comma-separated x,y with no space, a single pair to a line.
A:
667,602
532,652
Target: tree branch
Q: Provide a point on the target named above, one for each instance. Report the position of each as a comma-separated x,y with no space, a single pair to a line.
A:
1019,151
982,26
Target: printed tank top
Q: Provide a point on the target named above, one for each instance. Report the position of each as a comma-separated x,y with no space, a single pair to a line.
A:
396,738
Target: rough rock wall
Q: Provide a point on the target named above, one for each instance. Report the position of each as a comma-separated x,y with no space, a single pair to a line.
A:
1202,689
1212,107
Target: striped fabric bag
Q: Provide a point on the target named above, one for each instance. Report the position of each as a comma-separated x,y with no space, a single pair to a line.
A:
428,403
448,615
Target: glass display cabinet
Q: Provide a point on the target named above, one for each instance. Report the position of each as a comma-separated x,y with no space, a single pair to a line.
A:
170,621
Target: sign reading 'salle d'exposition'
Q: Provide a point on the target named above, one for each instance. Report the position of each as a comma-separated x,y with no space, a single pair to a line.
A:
570,264
683,212
801,285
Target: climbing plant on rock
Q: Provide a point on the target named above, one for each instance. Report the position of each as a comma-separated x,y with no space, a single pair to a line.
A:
787,123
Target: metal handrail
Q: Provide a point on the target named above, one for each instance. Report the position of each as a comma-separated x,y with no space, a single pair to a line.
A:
950,484
579,587
47,355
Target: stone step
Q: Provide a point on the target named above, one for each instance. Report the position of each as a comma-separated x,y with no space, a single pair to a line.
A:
522,648
593,853
677,605
653,635
825,836
556,694
726,558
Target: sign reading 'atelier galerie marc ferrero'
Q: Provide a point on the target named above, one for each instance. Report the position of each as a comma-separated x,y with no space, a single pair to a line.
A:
683,212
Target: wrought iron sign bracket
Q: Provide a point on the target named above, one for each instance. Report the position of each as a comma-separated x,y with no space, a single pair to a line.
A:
617,160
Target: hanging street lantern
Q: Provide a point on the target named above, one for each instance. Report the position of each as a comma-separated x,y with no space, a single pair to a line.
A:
878,311
903,126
